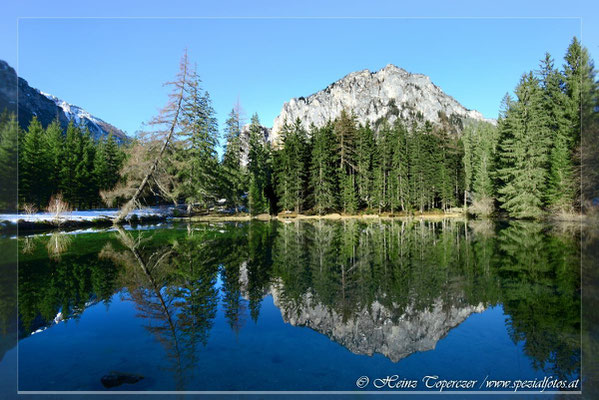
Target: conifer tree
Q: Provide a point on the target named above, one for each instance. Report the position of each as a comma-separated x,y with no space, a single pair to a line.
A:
323,169
349,197
456,174
468,143
582,88
107,163
258,169
364,154
430,161
198,162
588,153
54,148
577,85
100,164
233,170
418,176
9,134
561,180
524,144
86,184
382,166
445,157
71,159
479,143
400,168
232,151
31,168
484,167
345,131
291,167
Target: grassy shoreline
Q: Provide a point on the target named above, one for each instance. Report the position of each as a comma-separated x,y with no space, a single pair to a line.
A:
29,226
332,216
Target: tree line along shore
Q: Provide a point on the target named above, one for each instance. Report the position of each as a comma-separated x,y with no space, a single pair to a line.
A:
529,165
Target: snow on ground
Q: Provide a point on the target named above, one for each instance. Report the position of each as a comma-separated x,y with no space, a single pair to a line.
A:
90,215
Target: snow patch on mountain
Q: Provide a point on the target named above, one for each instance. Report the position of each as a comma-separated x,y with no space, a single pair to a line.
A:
78,115
73,112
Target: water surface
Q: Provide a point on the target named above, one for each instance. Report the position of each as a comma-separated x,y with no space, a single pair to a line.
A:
298,306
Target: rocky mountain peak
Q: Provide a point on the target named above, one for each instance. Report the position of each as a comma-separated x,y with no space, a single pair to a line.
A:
390,93
32,102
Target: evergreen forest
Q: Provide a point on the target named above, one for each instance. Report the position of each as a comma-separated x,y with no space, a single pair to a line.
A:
527,165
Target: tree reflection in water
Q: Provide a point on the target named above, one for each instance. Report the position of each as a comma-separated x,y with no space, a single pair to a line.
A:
173,287
390,287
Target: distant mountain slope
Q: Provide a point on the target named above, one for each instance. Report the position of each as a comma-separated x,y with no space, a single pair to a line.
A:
46,107
96,126
389,93
30,101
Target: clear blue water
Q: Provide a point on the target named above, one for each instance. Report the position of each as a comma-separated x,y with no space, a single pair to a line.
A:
301,306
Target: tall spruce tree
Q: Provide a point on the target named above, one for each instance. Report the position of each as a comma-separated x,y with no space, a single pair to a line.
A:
430,164
107,163
233,125
9,134
345,131
418,168
561,188
258,169
234,172
468,142
291,168
479,143
446,154
323,169
484,155
86,184
582,90
576,85
54,149
400,167
349,197
364,161
198,167
524,145
32,168
587,155
71,159
382,165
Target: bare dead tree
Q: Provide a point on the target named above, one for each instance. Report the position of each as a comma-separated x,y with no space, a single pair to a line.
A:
165,126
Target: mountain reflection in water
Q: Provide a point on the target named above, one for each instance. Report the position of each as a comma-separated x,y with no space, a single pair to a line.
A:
388,287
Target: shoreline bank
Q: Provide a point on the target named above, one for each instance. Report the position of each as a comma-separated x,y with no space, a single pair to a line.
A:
18,224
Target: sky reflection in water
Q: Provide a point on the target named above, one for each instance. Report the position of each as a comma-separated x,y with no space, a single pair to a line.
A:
298,306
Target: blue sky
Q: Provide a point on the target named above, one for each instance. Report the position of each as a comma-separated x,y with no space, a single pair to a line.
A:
115,68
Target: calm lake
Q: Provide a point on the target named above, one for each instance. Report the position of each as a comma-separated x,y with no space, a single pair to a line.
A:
297,306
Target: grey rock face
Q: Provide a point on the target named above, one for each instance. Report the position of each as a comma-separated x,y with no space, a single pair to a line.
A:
373,330
30,101
46,107
389,93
